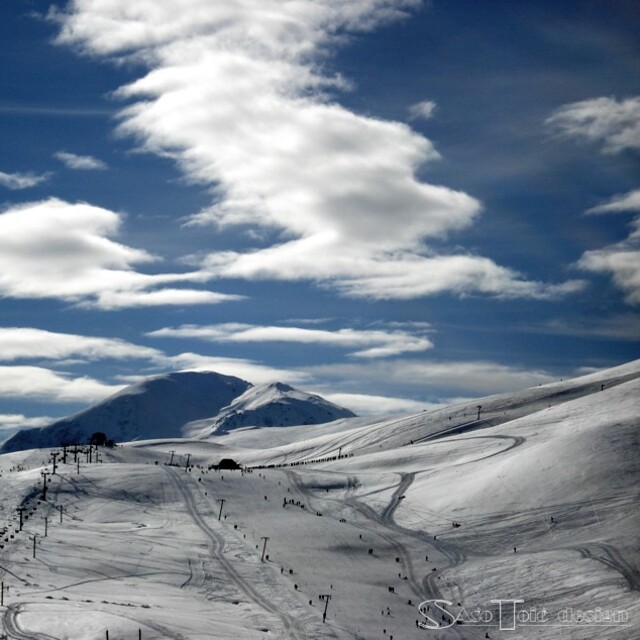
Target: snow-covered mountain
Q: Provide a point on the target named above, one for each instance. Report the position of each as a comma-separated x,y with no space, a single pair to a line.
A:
183,404
269,405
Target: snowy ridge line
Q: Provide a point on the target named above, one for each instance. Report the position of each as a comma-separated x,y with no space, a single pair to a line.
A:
398,431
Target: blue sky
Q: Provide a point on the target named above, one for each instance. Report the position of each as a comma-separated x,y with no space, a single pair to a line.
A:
391,203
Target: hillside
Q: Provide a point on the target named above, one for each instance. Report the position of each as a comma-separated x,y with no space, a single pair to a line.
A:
534,500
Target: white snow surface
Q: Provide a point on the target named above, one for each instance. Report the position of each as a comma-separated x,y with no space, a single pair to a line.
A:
544,485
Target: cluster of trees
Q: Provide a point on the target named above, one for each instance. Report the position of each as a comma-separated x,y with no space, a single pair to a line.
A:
99,439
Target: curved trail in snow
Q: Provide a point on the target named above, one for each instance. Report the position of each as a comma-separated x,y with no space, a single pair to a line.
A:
217,546
14,630
424,589
427,587
610,556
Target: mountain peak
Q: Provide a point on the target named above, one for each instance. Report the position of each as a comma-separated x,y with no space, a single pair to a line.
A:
269,405
179,404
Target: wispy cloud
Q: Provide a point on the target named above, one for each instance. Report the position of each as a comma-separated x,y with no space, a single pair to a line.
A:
29,379
80,163
368,343
617,327
612,123
19,343
359,273
621,261
440,382
113,300
18,181
11,422
54,249
422,110
55,111
434,378
251,370
620,203
236,95
363,404
39,383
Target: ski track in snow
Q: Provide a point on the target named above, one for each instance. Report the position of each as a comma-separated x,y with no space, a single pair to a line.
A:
383,526
217,547
609,556
10,622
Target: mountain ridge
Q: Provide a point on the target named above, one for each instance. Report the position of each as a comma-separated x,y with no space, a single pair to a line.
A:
163,406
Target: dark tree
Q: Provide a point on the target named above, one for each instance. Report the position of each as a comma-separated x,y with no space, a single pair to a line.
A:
228,463
98,438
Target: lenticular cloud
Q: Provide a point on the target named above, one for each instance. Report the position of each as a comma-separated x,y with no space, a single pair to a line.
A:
235,92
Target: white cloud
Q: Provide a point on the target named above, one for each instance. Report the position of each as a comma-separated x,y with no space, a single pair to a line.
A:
615,124
18,181
54,249
128,299
433,378
38,383
621,260
364,405
118,27
14,421
235,94
250,370
17,343
81,163
369,343
616,327
624,202
422,110
400,275
25,343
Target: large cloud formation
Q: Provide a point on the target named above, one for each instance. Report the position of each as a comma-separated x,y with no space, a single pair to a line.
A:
236,94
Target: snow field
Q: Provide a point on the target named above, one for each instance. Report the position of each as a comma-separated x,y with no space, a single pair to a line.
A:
535,499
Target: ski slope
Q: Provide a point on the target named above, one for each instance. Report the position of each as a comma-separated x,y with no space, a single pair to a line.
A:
541,485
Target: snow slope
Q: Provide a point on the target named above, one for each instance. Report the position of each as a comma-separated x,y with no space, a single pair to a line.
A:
544,486
194,404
